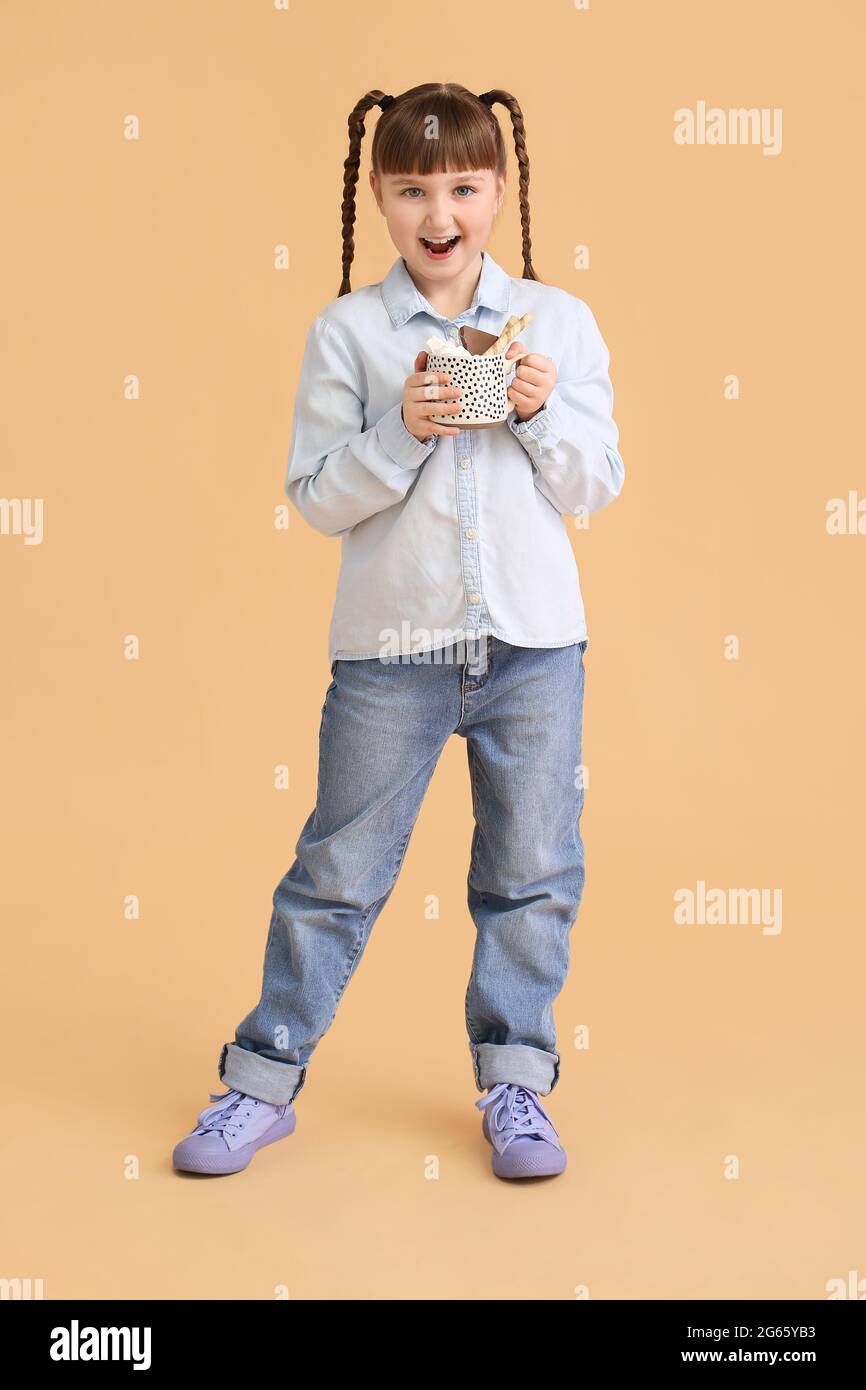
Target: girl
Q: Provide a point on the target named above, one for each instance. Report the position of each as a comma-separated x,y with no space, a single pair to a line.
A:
458,610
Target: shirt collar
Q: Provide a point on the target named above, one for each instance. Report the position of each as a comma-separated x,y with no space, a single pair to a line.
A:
403,299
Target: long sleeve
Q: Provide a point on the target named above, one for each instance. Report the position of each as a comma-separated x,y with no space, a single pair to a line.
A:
339,473
572,441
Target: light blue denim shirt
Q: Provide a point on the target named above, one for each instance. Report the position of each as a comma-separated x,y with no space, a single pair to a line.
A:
458,535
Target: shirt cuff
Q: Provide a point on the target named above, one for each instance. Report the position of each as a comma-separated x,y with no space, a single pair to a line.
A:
401,446
547,425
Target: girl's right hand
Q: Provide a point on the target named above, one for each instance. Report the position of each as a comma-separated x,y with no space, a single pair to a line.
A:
423,396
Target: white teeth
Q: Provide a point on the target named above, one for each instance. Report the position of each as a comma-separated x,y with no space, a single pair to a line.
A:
437,240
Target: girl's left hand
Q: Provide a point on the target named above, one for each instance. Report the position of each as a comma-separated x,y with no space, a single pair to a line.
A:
532,382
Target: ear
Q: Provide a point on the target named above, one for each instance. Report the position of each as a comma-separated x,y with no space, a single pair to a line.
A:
376,192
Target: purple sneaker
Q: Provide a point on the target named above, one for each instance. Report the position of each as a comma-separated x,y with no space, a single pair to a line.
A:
230,1132
525,1143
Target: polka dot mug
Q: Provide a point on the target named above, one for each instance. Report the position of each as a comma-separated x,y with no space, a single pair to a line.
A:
482,379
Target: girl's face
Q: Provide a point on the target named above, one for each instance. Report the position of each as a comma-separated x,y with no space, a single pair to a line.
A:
424,208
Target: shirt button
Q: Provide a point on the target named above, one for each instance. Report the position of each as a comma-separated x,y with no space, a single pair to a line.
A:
465,463
469,533
474,598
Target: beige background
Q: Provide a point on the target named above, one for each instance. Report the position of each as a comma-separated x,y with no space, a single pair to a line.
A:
155,777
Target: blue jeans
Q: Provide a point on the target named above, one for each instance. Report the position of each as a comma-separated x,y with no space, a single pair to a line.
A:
384,724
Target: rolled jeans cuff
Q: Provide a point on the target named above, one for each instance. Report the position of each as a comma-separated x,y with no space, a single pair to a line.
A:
276,1082
517,1063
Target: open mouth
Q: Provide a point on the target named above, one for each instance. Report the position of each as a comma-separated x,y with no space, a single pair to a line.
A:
439,250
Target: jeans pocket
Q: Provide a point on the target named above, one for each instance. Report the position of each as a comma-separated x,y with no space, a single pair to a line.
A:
331,687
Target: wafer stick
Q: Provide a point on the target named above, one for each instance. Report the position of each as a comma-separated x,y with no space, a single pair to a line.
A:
503,337
512,329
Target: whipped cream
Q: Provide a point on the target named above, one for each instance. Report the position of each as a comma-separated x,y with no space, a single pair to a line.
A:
445,347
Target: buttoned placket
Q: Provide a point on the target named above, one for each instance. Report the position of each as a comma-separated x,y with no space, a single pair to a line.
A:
467,517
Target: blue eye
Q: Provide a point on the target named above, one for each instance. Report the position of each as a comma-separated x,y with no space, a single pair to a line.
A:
416,189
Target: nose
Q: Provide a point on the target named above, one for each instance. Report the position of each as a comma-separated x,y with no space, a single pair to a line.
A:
438,221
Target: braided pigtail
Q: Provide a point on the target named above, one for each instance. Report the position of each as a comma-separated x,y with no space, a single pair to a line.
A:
350,178
507,100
